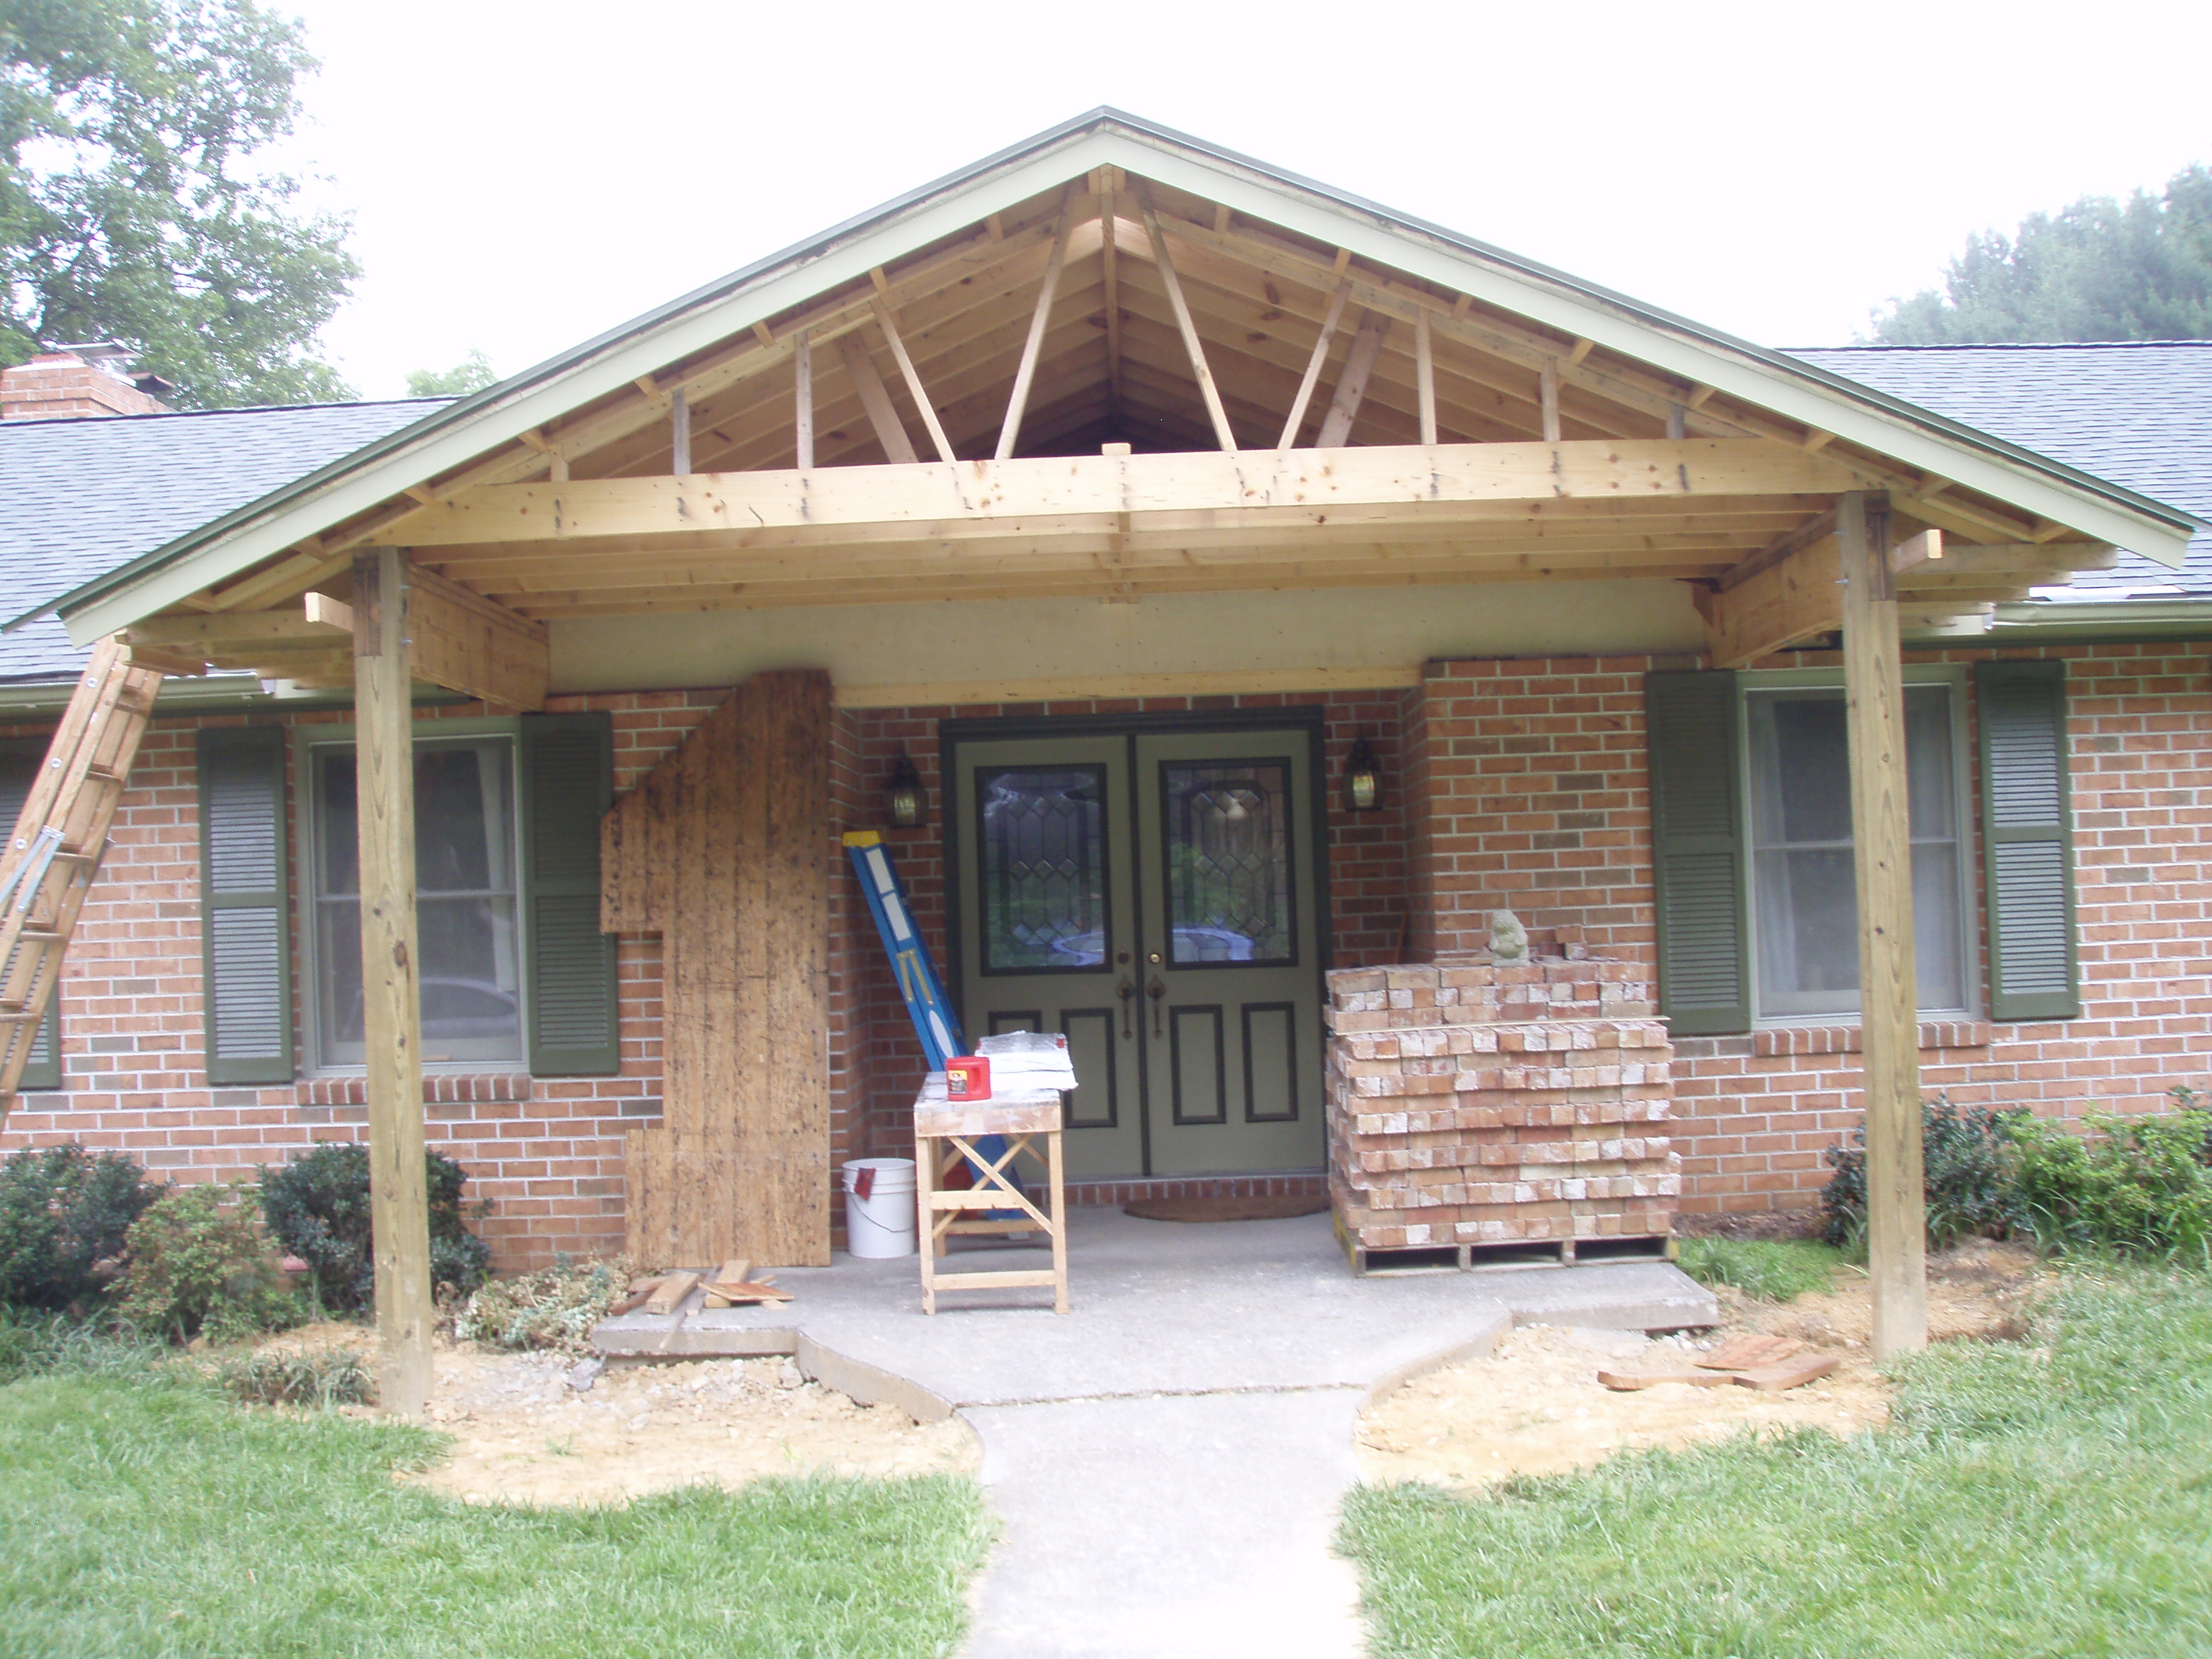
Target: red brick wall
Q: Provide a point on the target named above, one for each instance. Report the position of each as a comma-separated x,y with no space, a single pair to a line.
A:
1535,798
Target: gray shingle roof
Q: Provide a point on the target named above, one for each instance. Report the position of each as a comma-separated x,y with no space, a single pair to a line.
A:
2138,414
79,497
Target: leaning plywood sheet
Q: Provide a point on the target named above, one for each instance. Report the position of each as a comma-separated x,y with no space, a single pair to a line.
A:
720,852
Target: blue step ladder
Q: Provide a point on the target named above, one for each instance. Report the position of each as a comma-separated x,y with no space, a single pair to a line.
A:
926,1006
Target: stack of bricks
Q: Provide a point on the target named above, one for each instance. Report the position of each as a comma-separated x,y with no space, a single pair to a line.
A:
1477,1102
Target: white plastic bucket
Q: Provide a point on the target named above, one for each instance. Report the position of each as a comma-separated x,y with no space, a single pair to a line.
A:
880,1224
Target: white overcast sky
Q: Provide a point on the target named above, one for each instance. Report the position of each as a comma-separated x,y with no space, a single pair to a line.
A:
524,175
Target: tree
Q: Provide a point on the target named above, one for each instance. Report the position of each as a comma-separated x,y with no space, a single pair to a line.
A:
472,374
2099,270
130,208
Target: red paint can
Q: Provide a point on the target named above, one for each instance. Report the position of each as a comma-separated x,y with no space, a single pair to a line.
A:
968,1077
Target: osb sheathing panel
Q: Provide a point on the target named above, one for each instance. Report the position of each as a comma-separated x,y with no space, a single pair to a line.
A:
720,852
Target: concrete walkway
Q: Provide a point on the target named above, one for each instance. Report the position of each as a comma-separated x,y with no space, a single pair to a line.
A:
1168,1458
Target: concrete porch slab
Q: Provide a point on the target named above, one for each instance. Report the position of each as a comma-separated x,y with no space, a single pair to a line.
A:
1159,1308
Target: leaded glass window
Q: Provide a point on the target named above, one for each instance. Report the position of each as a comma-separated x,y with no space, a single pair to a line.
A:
1228,832
1043,845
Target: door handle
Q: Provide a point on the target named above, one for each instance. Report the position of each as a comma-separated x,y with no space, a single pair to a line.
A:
1156,991
1125,990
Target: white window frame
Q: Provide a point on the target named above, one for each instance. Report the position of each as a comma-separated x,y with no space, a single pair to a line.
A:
306,739
1952,676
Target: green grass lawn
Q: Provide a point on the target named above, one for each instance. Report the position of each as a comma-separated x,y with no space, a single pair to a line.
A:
160,1518
2053,1498
1774,1269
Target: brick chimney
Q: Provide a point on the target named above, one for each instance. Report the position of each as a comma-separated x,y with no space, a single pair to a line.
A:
74,381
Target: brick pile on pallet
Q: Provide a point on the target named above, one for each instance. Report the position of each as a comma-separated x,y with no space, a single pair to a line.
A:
1473,1102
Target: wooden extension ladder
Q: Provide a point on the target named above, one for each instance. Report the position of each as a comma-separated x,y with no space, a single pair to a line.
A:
48,864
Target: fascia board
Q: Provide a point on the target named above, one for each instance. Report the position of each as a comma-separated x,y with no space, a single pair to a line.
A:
458,442
1788,390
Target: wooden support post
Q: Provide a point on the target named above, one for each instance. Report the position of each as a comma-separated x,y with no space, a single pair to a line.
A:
680,433
1314,363
1352,385
803,420
1674,421
1424,375
1881,844
1548,397
390,1009
1040,320
889,324
1185,325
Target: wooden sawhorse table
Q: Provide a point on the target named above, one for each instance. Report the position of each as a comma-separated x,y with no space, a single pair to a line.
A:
945,1133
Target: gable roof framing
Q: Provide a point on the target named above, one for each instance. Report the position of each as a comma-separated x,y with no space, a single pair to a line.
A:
732,316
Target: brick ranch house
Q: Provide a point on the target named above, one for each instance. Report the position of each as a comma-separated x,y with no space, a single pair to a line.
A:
1126,497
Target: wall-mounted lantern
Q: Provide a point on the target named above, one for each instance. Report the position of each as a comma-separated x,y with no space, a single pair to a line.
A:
908,800
1363,778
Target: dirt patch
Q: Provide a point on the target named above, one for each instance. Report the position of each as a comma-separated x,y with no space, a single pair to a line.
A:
522,1434
1535,1406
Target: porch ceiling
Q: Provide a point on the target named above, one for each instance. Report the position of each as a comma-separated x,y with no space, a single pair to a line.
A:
1300,418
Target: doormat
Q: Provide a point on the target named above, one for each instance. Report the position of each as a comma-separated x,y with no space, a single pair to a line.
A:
1226,1209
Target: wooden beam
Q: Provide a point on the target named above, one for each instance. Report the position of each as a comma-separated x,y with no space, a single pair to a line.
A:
391,1023
1424,373
1109,256
1676,424
1208,393
1352,385
1040,318
468,643
1314,365
1205,683
891,433
1916,551
1388,484
680,433
1881,852
186,665
1547,399
803,415
889,322
324,611
1789,600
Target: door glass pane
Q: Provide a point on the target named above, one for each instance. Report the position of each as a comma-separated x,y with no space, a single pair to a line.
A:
1042,835
1227,825
465,903
1805,900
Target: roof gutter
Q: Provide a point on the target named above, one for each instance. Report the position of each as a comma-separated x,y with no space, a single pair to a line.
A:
462,431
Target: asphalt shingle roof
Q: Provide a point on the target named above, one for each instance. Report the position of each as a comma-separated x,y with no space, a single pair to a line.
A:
80,498
2136,414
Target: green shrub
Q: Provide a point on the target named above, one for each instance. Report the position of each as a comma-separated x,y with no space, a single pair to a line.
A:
1772,1269
317,1207
320,1378
2135,1185
64,1213
554,1307
1966,1177
198,1263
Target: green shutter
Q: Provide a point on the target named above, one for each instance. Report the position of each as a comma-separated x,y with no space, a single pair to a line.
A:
19,764
2028,847
245,930
1699,879
568,784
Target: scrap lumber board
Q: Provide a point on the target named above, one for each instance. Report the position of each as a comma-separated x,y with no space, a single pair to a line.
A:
634,1297
1751,1350
668,1296
1790,1374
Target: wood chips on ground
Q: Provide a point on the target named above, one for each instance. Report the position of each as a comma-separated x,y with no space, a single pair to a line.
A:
1534,1406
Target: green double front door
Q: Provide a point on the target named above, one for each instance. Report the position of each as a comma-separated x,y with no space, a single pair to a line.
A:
1155,895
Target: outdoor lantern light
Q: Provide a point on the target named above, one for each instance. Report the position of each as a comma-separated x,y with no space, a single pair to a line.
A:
1363,778
909,801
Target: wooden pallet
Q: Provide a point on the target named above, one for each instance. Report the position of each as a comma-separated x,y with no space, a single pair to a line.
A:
1507,1255
48,865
